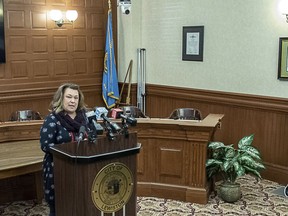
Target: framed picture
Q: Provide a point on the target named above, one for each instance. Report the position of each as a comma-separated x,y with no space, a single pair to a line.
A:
192,43
283,59
2,35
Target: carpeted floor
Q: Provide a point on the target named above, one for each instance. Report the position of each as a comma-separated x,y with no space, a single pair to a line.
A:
258,198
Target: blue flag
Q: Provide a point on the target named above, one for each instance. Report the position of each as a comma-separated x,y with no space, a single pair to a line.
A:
110,89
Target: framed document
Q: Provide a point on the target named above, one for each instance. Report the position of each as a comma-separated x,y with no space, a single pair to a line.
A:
2,34
192,43
283,59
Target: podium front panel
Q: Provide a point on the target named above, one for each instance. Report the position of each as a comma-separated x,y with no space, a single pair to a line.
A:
75,181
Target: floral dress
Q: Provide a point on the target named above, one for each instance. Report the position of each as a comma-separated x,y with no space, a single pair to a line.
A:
51,133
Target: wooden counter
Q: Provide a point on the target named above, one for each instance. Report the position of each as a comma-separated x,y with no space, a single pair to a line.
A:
171,163
20,161
19,131
19,158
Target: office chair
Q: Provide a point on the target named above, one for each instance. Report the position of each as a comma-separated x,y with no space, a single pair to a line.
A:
25,115
186,113
133,111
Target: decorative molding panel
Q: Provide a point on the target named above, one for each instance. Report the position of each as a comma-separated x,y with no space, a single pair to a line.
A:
15,19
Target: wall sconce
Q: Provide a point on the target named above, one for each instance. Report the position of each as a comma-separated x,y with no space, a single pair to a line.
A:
61,18
283,8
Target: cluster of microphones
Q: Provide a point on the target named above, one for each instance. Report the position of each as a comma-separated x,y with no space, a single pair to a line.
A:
94,128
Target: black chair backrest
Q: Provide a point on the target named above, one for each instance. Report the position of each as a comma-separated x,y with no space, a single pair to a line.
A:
186,113
25,115
133,111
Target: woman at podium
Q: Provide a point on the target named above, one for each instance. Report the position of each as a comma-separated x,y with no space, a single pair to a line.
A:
62,125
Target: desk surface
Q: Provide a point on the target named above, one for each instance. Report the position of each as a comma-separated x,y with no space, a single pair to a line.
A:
209,121
14,162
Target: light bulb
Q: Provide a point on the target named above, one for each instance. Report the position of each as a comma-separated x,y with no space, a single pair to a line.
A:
55,15
71,15
283,7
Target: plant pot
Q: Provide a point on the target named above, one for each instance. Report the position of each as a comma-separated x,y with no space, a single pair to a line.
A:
230,192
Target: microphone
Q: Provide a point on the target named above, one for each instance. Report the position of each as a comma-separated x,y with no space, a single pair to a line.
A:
101,112
118,113
130,120
91,116
115,114
82,131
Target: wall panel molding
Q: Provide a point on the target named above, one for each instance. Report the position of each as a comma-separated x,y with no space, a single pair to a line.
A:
218,97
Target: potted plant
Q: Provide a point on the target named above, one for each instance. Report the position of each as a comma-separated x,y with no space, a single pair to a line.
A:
231,163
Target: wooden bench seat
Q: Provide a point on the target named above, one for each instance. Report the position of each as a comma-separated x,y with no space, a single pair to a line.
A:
20,155
19,158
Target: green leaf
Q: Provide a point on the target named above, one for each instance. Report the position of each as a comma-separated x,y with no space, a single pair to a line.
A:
215,145
216,154
252,171
246,141
230,153
240,170
236,166
247,159
259,165
210,162
252,151
251,163
227,165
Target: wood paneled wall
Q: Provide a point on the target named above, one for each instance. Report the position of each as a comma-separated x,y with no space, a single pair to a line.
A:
266,117
40,55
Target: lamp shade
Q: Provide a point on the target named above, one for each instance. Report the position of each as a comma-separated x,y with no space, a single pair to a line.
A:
71,15
283,7
55,15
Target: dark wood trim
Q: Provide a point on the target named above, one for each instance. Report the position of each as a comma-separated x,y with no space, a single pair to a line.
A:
219,97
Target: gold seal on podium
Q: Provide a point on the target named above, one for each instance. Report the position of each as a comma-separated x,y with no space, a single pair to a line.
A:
112,187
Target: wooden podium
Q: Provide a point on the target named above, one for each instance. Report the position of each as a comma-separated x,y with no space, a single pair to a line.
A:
96,178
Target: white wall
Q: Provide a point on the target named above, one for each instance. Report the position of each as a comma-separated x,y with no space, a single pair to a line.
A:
241,44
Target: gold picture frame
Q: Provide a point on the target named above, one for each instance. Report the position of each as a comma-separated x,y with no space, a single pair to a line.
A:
283,59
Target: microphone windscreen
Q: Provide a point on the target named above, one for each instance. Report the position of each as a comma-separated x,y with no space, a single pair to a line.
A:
90,114
115,114
82,129
99,111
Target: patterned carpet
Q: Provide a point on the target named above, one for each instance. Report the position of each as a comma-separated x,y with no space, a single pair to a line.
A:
258,198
